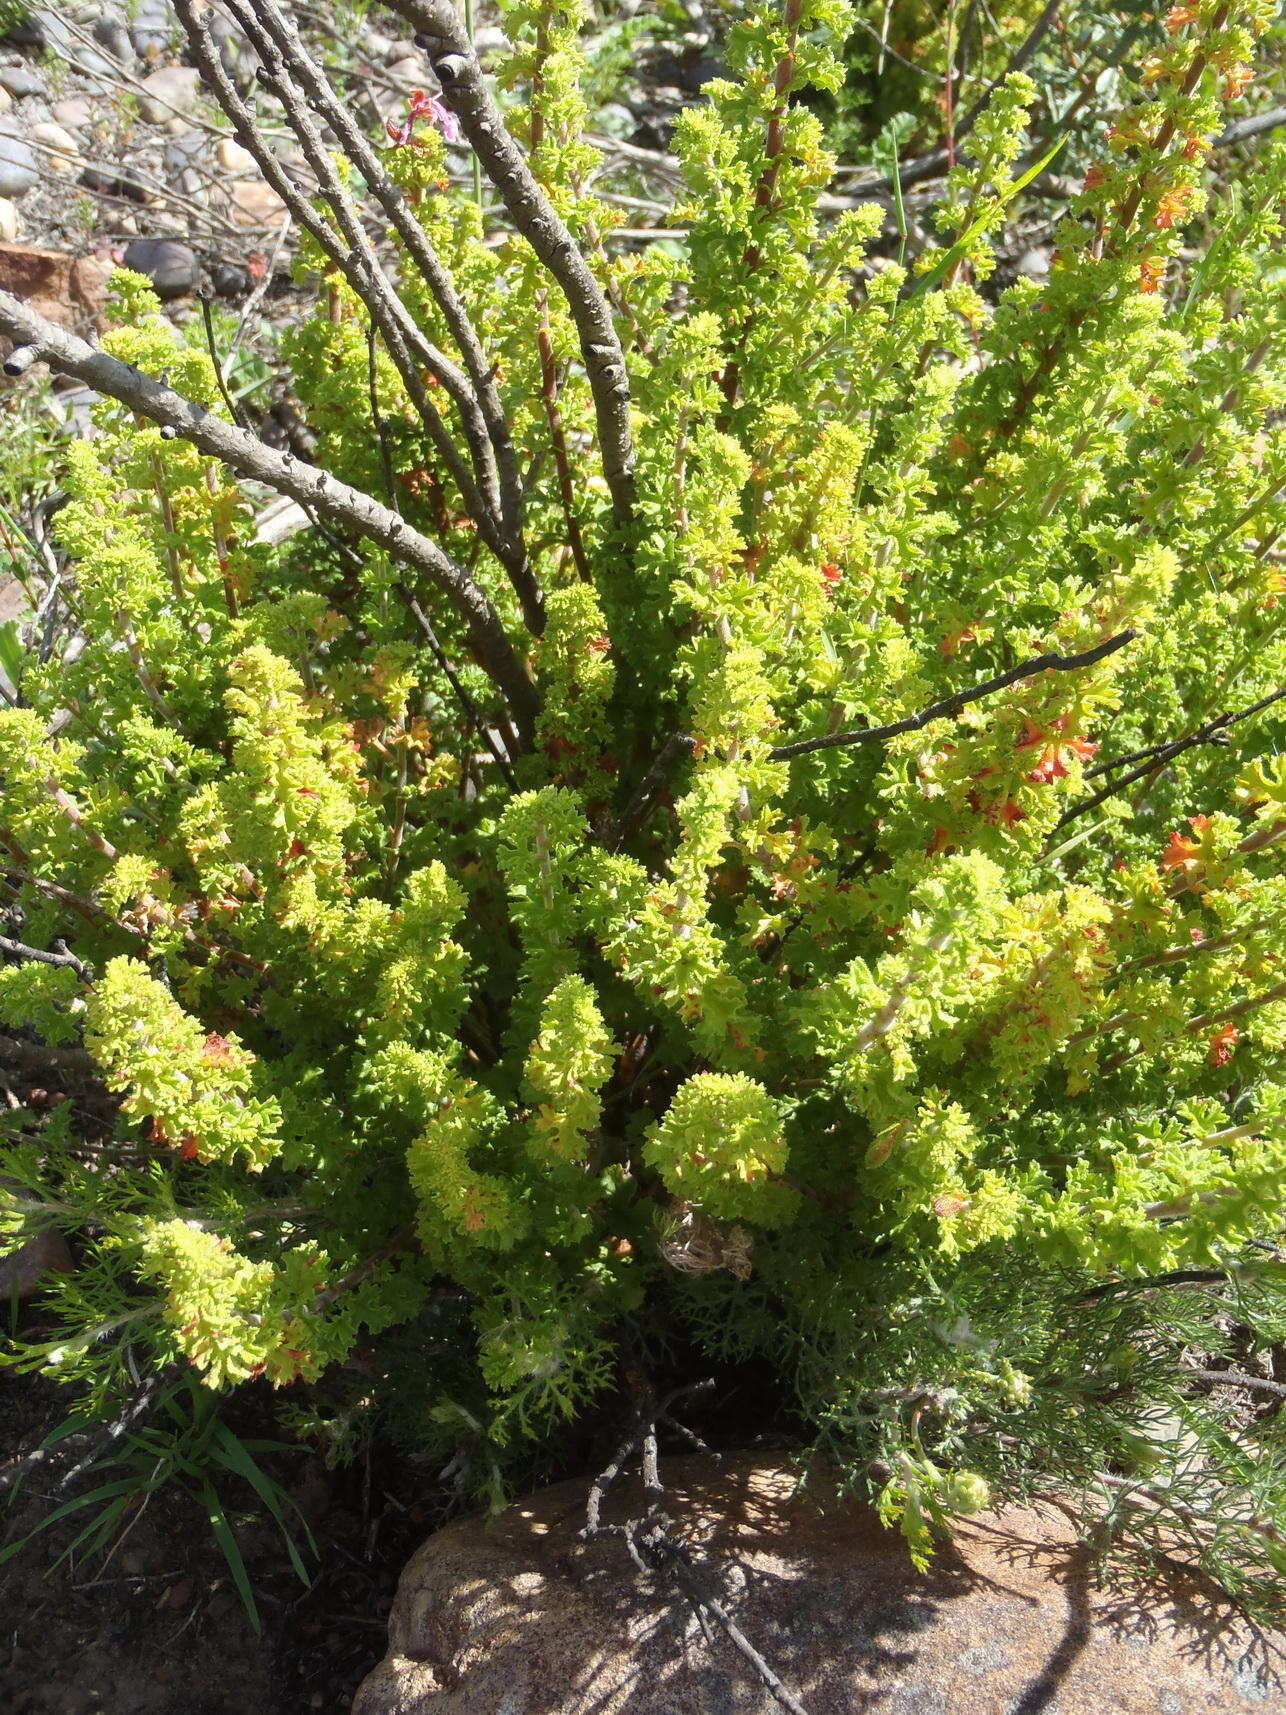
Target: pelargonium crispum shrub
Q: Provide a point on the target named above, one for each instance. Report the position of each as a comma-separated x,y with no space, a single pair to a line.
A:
536,942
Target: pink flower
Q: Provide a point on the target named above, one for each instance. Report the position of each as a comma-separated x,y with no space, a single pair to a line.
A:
422,106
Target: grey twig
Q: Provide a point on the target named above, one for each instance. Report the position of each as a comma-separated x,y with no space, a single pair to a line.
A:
1239,1378
35,1057
464,89
938,160
38,955
100,1438
250,457
357,263
1241,129
1048,663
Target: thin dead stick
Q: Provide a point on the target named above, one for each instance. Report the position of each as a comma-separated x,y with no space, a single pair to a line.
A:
455,65
413,607
261,288
1048,663
1239,1378
1152,1497
453,679
252,458
651,1546
939,160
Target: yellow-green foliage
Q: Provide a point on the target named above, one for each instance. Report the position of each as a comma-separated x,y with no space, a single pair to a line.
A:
880,1060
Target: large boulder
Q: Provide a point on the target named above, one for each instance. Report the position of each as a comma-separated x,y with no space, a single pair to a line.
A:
518,1617
69,290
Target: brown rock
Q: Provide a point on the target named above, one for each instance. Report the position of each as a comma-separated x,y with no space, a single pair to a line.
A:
255,204
69,290
520,1618
23,1273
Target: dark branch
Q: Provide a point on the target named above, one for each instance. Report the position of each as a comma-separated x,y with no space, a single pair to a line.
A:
678,746
35,1057
1049,663
453,679
1213,732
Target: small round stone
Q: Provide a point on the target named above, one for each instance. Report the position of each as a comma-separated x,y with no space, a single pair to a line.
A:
57,147
234,159
172,268
18,170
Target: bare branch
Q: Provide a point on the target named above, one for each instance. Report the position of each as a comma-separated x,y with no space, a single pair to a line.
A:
393,201
358,264
60,958
1152,759
1048,663
464,89
1242,129
671,753
939,161
1240,1379
1154,1497
462,696
35,1057
651,1545
250,457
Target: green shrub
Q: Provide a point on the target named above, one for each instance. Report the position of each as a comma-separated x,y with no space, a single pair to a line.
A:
700,976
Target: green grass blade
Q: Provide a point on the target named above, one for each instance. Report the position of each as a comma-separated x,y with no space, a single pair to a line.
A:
231,1553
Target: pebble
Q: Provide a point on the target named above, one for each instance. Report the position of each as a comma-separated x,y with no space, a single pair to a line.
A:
407,73
111,34
58,148
172,268
17,165
6,100
234,159
1033,264
151,29
18,81
255,204
228,280
75,113
168,93
184,156
8,221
